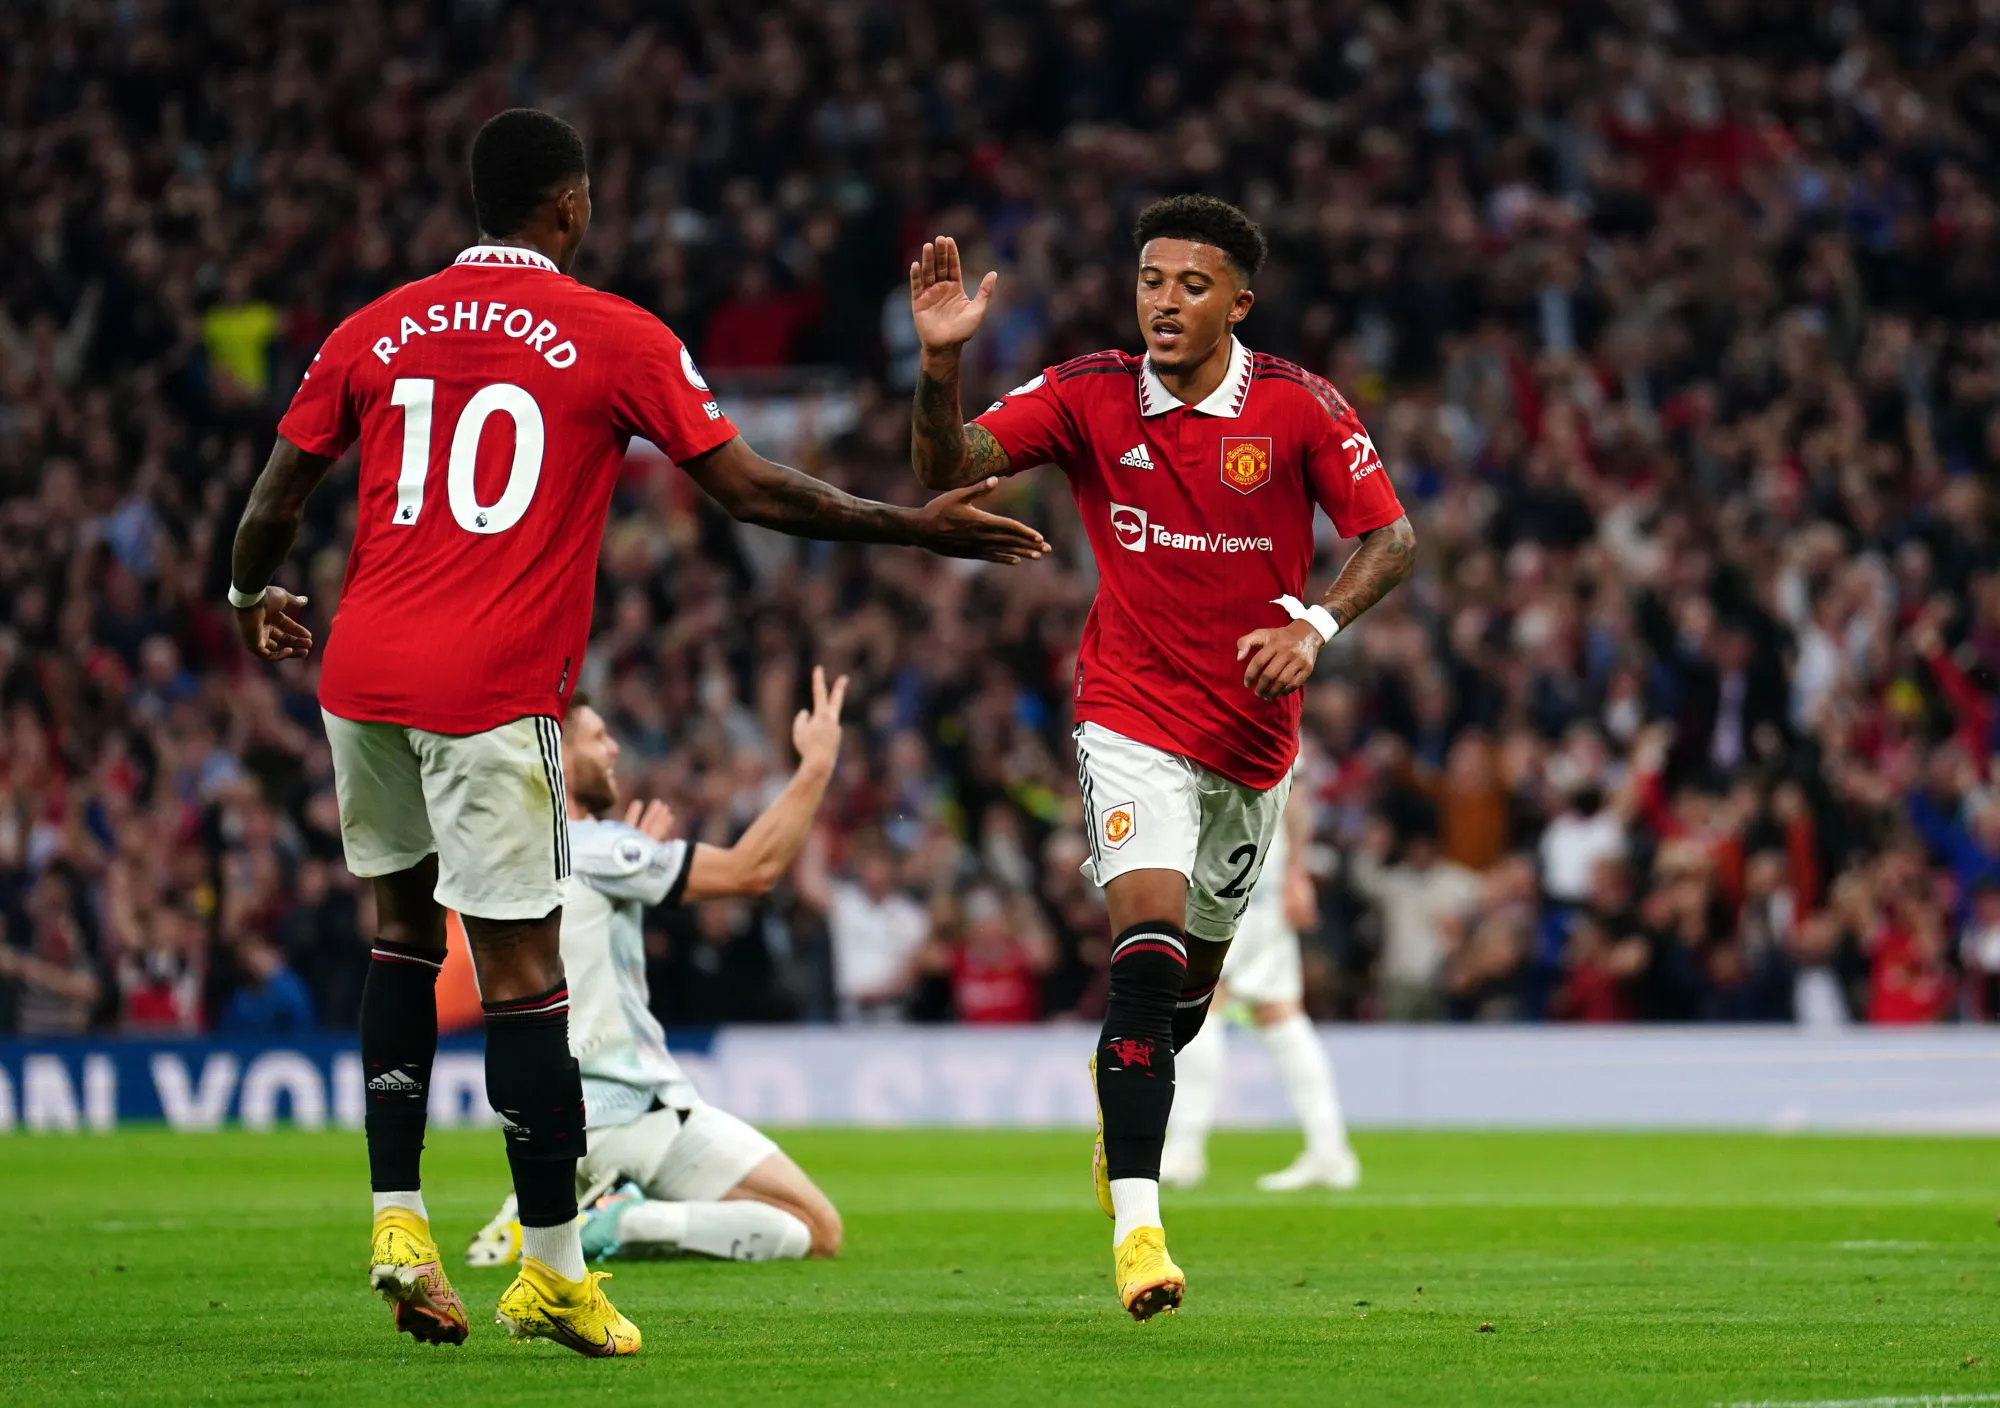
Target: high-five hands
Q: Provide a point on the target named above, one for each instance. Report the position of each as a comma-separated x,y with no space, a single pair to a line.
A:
944,315
951,526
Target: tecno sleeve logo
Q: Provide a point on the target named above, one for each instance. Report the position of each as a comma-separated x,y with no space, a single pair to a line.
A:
1130,525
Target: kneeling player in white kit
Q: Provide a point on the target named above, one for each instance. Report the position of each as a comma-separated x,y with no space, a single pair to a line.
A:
668,1174
1263,973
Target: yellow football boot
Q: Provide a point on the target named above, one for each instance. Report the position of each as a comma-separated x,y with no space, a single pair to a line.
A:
1148,1280
404,1266
1100,1174
575,1314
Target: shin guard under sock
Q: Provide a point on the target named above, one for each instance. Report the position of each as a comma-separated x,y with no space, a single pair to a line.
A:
399,1034
533,1081
1135,1054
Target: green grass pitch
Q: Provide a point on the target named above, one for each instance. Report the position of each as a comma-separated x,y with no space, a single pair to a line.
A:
1530,1269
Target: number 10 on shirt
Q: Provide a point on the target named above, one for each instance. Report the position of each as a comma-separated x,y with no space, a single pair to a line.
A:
416,396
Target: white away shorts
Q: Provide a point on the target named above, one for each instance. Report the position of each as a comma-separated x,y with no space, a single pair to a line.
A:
1263,964
490,804
696,1159
1147,809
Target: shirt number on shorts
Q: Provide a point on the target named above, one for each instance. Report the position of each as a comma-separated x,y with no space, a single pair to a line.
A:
1246,855
417,395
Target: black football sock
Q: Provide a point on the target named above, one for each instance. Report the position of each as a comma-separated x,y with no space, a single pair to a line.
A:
533,1081
1135,1055
399,1037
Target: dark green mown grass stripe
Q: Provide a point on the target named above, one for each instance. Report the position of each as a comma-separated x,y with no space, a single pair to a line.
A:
146,1267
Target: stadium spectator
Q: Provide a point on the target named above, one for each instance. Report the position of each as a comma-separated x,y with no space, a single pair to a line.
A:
1075,984
718,968
55,985
1979,953
1426,904
271,1000
161,968
1582,835
876,930
757,327
996,962
1597,971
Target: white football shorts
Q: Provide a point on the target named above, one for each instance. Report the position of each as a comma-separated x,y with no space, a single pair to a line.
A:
1263,964
696,1159
1147,809
490,804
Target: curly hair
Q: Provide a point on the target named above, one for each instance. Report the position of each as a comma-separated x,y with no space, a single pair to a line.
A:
1205,220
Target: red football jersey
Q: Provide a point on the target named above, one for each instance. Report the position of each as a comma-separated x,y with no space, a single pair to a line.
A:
493,402
1199,516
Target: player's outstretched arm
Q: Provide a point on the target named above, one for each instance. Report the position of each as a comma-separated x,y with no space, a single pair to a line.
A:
1281,658
945,451
264,540
754,490
767,849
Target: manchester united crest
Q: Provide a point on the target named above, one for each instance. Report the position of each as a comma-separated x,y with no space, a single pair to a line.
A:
1119,824
1246,461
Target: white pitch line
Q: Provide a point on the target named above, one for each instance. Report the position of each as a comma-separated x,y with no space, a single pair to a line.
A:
1920,1400
1817,1197
1581,1201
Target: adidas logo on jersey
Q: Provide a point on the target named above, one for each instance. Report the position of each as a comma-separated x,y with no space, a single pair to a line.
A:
396,1083
1138,457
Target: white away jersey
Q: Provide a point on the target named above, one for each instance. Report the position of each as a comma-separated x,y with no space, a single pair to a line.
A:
616,872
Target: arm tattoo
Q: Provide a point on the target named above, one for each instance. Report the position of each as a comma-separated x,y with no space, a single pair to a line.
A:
1386,556
801,505
983,455
271,519
755,490
945,452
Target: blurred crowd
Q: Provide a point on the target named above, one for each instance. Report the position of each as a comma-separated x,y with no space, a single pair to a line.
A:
1677,324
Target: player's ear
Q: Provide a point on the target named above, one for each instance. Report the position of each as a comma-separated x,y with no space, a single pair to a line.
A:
1240,309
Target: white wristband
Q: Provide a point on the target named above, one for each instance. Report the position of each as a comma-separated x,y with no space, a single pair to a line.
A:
243,601
1318,617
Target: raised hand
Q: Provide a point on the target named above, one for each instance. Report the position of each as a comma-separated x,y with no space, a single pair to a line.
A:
655,818
944,316
816,731
269,630
949,525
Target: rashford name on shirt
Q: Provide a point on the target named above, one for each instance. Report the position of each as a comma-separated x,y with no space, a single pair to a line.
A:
521,324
